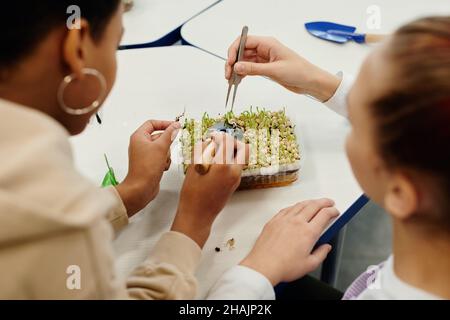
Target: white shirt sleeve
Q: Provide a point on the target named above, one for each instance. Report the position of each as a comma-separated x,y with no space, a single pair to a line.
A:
242,283
338,102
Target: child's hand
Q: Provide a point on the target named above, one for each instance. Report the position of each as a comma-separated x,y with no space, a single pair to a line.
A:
204,196
149,157
267,57
283,251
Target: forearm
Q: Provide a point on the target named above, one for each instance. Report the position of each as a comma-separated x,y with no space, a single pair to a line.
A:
193,228
330,89
126,195
134,195
322,85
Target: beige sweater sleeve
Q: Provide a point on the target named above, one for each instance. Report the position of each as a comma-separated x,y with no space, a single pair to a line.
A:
168,272
118,215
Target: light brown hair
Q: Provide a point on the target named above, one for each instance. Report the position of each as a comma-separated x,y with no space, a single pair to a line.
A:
412,119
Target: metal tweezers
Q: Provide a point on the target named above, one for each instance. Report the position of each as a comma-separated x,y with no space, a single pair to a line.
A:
235,79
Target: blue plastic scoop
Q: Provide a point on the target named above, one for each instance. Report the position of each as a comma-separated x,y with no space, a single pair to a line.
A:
340,33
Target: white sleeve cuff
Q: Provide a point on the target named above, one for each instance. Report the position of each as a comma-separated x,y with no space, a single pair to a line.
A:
242,283
338,102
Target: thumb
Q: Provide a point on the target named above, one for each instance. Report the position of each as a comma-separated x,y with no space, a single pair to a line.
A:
319,255
169,135
252,69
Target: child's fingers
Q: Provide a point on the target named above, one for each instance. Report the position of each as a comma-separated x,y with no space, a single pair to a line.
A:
250,53
298,207
313,207
227,71
318,255
322,219
250,68
252,43
232,51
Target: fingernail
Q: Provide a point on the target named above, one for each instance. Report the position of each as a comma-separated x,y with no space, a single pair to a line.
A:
176,125
239,67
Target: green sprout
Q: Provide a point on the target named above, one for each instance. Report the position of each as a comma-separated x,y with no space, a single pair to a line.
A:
110,177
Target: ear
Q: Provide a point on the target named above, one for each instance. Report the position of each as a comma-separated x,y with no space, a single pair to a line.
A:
75,48
402,197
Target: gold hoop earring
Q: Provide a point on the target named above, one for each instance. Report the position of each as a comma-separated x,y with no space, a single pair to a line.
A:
94,105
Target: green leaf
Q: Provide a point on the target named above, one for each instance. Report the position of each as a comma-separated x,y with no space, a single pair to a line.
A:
110,177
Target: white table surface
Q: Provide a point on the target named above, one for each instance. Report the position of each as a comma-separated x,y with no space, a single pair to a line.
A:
159,83
215,29
151,20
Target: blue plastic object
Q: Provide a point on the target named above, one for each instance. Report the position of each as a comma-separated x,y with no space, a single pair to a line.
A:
344,218
334,32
